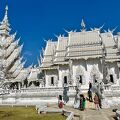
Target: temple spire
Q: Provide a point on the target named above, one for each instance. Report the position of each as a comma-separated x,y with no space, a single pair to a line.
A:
4,26
82,25
5,19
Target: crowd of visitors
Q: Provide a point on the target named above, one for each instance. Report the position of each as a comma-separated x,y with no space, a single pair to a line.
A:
82,100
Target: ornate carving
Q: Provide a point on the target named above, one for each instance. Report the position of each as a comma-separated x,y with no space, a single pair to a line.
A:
80,72
95,74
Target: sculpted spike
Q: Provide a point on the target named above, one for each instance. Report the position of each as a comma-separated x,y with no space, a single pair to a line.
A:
114,29
23,63
66,30
56,36
105,31
18,40
83,25
75,30
60,35
101,26
21,58
43,51
91,29
5,19
38,61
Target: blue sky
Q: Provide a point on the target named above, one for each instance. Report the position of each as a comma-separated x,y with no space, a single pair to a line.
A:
36,20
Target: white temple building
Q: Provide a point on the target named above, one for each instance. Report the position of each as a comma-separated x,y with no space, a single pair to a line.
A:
83,56
80,57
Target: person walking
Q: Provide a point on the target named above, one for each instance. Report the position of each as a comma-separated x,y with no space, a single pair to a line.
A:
96,102
84,103
90,95
81,102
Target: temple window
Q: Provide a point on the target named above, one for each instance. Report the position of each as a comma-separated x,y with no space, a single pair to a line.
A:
65,79
52,80
111,79
94,79
80,79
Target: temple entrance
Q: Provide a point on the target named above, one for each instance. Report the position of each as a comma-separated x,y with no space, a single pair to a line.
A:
65,79
111,78
52,80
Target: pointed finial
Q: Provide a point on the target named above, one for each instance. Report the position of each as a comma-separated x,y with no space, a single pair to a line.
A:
6,8
6,14
5,26
82,25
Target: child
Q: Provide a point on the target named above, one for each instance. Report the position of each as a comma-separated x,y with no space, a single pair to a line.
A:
96,102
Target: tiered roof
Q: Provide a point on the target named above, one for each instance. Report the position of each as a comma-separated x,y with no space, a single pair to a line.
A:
110,47
81,45
49,54
84,45
61,50
10,60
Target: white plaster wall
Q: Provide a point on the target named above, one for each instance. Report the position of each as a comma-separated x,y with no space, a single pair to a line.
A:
76,64
63,70
113,68
90,64
49,74
87,67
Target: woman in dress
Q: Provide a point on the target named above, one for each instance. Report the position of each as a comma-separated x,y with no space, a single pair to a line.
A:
96,102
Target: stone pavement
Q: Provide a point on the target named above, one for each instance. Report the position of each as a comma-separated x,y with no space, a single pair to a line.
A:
93,114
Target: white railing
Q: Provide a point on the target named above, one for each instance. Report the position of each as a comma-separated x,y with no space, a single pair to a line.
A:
36,90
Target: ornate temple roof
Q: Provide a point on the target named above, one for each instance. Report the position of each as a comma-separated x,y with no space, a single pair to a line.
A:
49,54
4,26
82,45
10,50
33,74
83,38
111,48
61,50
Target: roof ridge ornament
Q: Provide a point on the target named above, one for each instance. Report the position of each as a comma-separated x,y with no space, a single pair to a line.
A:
5,19
114,29
83,25
4,26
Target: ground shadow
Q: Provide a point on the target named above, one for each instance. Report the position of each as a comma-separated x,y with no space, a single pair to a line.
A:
92,108
114,117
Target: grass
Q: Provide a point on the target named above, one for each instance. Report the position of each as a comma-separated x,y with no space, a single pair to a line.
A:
26,113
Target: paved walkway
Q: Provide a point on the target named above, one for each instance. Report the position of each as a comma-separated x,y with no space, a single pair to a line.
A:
93,114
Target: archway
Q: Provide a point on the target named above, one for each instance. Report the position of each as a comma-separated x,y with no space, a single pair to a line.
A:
95,74
111,78
80,75
65,80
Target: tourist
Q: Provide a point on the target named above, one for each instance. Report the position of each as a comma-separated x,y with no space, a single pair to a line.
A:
81,102
84,103
60,102
90,85
96,102
77,100
90,95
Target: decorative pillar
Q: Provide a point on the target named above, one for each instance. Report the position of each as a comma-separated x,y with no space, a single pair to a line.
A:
19,86
70,72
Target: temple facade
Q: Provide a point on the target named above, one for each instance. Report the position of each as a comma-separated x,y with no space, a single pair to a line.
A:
82,57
